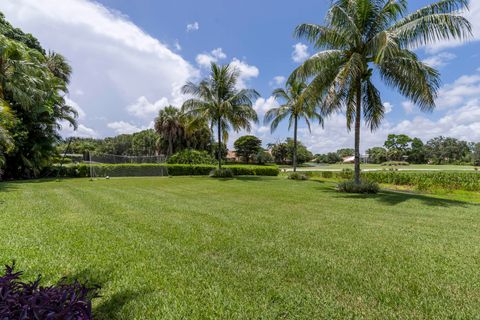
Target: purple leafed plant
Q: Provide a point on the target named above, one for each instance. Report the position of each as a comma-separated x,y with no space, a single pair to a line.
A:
25,301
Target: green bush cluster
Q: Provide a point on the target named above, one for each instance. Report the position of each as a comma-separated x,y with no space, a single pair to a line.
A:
395,163
125,170
468,181
190,156
298,176
221,173
365,186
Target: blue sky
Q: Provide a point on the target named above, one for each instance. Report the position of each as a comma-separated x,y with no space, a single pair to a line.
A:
131,57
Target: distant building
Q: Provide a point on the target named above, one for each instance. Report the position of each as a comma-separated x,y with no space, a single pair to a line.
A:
232,156
351,159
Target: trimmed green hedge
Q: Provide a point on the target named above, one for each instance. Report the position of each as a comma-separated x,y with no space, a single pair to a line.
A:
127,170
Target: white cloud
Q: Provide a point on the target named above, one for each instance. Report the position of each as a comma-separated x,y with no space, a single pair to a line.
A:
143,108
439,60
388,107
408,106
122,127
82,131
278,81
205,59
193,26
247,72
114,62
462,90
300,52
262,105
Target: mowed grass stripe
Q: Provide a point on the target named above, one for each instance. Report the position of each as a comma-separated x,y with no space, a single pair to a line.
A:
194,247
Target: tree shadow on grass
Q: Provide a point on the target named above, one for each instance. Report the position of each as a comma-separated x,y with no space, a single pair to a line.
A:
7,187
112,306
395,197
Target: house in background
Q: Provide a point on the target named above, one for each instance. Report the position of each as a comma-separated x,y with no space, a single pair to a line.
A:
232,156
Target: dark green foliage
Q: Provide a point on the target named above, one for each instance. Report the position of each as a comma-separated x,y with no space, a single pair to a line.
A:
346,173
395,163
125,170
327,174
263,157
417,153
348,152
247,147
221,173
446,150
298,176
18,35
476,154
190,156
377,155
330,158
397,146
350,186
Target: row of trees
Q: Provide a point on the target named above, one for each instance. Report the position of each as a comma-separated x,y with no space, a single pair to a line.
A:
439,150
33,84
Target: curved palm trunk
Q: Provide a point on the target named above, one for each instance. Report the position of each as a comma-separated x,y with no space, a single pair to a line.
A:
219,150
294,160
358,117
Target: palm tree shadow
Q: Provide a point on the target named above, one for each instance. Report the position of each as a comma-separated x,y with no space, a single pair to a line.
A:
395,198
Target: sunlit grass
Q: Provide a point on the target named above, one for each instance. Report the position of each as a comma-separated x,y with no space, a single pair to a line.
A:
247,248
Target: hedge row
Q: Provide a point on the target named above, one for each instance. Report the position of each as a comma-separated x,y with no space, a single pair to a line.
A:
127,170
450,180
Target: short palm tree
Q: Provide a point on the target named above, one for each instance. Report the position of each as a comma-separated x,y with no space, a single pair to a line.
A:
361,38
169,125
296,105
217,100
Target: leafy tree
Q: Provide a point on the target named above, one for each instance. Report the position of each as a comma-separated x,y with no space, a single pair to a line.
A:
296,105
417,153
377,155
476,154
217,100
445,150
363,36
247,147
330,158
301,151
144,143
397,146
279,152
169,126
263,157
345,152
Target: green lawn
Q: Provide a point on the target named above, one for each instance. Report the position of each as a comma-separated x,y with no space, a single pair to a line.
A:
248,248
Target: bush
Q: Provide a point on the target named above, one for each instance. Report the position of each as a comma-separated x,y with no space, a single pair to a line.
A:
190,156
395,163
297,176
221,173
21,300
346,173
365,186
327,174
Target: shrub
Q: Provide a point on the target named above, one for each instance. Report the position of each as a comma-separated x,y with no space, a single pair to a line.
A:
364,187
221,173
395,163
346,173
190,156
21,300
297,176
327,174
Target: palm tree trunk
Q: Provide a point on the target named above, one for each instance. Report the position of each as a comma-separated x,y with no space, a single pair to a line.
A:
219,150
358,118
170,147
294,160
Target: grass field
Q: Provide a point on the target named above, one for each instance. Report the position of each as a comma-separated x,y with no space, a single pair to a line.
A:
247,248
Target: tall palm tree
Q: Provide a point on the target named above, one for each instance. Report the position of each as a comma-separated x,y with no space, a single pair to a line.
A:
217,99
296,105
361,37
169,126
